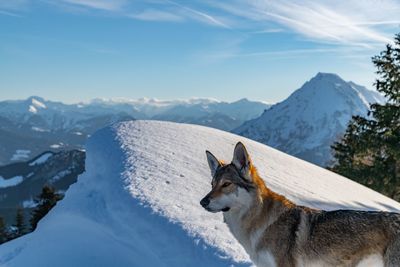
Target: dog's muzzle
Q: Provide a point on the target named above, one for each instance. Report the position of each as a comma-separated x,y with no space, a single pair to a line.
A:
205,202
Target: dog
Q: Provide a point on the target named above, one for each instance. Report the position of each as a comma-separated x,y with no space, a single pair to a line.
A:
276,232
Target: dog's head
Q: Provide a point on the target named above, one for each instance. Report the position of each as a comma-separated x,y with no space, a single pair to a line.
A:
232,184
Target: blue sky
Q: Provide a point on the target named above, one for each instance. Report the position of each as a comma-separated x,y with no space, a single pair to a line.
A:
76,50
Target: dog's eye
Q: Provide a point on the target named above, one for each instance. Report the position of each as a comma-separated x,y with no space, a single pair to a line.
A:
226,184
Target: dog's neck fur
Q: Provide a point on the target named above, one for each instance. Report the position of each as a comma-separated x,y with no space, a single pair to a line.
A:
248,222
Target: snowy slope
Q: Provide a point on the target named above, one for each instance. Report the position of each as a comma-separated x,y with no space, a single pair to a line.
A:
308,122
138,202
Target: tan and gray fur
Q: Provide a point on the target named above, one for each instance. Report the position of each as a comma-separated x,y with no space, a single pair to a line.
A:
276,232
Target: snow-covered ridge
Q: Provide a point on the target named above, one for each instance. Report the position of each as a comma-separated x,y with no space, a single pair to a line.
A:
138,202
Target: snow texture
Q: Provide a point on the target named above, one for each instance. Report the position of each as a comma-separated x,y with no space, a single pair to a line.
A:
20,154
11,181
60,175
30,203
138,202
42,159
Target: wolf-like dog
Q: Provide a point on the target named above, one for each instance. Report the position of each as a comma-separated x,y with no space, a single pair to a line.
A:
276,232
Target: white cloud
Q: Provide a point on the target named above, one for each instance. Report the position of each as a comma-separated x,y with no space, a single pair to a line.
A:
363,23
350,22
166,10
156,15
113,5
200,15
7,13
269,30
13,4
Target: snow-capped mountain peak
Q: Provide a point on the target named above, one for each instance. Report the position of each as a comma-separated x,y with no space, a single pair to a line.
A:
311,118
327,76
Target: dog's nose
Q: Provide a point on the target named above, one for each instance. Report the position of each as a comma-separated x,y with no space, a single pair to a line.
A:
204,202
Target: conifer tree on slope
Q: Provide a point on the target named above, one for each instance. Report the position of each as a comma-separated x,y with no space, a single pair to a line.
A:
20,222
3,231
45,202
369,152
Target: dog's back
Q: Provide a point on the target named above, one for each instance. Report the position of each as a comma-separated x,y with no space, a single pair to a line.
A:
306,237
346,237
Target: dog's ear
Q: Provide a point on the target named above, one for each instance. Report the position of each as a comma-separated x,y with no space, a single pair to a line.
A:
213,162
241,159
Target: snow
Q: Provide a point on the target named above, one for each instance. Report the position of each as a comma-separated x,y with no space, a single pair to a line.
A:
30,203
37,103
42,159
60,175
38,129
32,109
11,181
137,204
20,154
55,146
308,122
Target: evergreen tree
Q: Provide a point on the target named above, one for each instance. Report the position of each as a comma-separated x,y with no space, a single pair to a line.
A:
3,231
45,202
20,222
369,152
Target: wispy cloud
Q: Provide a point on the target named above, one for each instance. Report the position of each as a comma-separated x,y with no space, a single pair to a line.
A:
99,4
13,4
200,15
7,13
157,10
13,8
271,30
156,15
287,53
349,22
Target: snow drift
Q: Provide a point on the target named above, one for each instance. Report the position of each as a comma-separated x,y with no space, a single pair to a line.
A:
138,202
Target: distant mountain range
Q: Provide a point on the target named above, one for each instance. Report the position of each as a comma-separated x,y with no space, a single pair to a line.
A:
29,127
307,123
304,125
21,182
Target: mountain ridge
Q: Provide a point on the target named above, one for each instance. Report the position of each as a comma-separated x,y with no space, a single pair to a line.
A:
311,118
33,125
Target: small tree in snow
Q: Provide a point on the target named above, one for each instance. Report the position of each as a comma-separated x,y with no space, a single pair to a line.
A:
45,202
3,231
20,223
